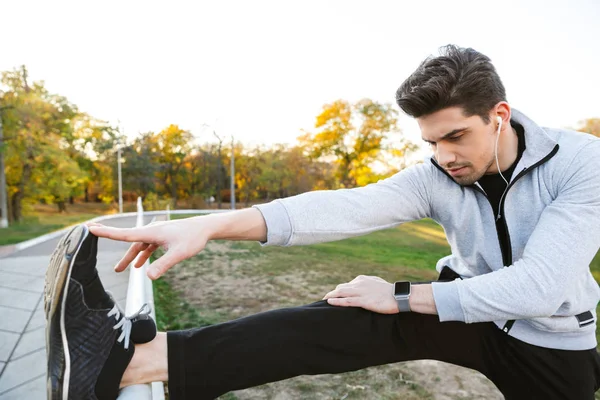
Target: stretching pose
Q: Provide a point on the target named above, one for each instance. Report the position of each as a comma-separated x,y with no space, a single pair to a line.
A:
520,205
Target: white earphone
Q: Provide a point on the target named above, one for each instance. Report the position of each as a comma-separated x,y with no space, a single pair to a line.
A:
499,119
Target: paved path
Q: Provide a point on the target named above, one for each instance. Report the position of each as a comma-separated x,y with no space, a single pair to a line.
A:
22,323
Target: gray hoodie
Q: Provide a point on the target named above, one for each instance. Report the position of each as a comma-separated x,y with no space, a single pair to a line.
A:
552,212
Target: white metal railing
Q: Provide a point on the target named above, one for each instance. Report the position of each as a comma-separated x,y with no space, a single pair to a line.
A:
139,292
191,211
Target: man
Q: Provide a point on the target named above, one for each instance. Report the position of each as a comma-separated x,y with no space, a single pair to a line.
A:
520,206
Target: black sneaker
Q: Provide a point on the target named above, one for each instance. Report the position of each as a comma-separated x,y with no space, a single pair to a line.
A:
89,341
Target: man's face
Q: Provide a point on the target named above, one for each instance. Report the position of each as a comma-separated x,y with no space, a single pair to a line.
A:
463,146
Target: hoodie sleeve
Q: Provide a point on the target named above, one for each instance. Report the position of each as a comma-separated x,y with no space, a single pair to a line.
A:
557,255
329,215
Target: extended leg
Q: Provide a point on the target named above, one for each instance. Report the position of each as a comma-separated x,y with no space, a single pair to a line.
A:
313,339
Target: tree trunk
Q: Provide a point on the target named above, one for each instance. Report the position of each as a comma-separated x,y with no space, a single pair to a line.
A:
18,196
62,206
166,185
247,194
174,192
15,202
344,173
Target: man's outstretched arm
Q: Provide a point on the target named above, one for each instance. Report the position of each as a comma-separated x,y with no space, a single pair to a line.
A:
313,217
182,238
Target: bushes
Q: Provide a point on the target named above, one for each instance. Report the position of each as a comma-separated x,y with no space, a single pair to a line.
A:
152,202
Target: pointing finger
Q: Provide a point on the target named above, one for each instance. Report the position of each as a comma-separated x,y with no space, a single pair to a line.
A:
123,234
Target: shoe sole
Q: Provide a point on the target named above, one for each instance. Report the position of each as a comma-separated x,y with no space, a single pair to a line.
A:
57,283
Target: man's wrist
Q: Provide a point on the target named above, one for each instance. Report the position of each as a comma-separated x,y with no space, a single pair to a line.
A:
402,291
421,299
246,224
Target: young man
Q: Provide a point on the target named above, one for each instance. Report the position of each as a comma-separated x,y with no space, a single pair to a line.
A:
515,300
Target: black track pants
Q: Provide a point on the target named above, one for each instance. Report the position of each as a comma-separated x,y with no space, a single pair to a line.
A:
322,339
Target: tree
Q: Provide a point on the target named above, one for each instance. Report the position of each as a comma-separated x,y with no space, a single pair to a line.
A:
60,177
173,145
353,137
141,164
93,144
35,125
195,172
246,171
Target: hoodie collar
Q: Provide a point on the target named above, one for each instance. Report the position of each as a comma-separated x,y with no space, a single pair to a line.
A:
539,147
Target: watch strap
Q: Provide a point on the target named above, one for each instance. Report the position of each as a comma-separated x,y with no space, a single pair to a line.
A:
403,304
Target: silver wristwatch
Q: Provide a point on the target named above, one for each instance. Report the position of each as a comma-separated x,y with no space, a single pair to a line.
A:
402,295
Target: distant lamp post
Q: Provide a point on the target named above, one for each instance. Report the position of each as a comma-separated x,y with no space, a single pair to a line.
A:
3,195
232,187
119,171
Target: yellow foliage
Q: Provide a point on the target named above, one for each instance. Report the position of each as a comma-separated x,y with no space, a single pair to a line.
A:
354,135
590,125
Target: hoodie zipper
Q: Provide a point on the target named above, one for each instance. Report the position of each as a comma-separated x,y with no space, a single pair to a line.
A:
506,258
503,199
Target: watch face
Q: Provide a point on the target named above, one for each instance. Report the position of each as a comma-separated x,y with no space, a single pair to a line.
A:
401,288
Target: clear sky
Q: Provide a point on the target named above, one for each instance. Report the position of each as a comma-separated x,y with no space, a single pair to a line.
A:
262,70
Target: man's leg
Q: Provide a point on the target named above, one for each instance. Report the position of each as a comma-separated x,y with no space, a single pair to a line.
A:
87,356
318,338
313,339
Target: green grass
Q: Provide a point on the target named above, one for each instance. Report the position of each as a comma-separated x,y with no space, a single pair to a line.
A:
416,247
174,313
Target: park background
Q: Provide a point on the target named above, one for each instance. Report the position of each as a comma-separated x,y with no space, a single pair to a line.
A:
299,94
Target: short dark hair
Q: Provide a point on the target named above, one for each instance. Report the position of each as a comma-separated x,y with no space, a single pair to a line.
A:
459,77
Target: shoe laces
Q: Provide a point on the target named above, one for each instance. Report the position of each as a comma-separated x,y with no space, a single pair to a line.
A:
124,323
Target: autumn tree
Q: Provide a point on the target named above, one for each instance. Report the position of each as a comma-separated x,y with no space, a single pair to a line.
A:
246,171
173,145
353,136
35,124
141,164
590,125
58,178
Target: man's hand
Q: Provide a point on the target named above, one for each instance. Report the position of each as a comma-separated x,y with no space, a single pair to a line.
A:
181,239
368,292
